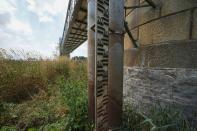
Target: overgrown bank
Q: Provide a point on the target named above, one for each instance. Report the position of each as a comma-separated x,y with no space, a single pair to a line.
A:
52,95
158,117
43,95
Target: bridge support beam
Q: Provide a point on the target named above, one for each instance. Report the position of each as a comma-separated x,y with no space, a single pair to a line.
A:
91,60
116,52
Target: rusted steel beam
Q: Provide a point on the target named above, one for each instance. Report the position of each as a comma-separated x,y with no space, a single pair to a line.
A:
81,22
78,37
130,35
91,60
81,34
115,71
79,29
76,41
134,7
73,42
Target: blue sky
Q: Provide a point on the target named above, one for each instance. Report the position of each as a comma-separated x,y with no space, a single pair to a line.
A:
34,25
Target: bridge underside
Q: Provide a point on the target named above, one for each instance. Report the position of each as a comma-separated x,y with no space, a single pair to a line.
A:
75,30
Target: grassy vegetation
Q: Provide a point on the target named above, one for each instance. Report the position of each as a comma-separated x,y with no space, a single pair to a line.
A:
51,95
43,95
157,118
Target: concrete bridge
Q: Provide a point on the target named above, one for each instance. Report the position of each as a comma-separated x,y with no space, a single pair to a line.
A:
75,28
155,41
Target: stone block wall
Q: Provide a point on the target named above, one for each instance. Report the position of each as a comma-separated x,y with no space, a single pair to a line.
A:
164,67
145,86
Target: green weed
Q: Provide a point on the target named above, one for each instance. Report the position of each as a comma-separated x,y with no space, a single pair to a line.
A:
156,118
37,94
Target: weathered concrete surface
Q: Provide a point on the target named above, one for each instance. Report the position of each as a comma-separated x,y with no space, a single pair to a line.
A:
194,30
128,44
167,7
174,27
172,54
145,86
171,6
148,13
130,56
171,20
129,3
132,17
166,57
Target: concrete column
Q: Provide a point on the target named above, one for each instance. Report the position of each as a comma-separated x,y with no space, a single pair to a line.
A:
116,49
91,60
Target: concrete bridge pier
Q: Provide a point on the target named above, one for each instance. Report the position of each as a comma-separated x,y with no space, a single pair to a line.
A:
115,71
91,59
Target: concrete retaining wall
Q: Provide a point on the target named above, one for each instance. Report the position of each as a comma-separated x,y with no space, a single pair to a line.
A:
172,22
164,67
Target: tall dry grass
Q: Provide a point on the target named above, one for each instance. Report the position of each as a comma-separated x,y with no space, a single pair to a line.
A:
21,79
42,94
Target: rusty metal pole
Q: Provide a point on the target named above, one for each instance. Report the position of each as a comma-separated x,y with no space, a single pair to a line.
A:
91,60
116,49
